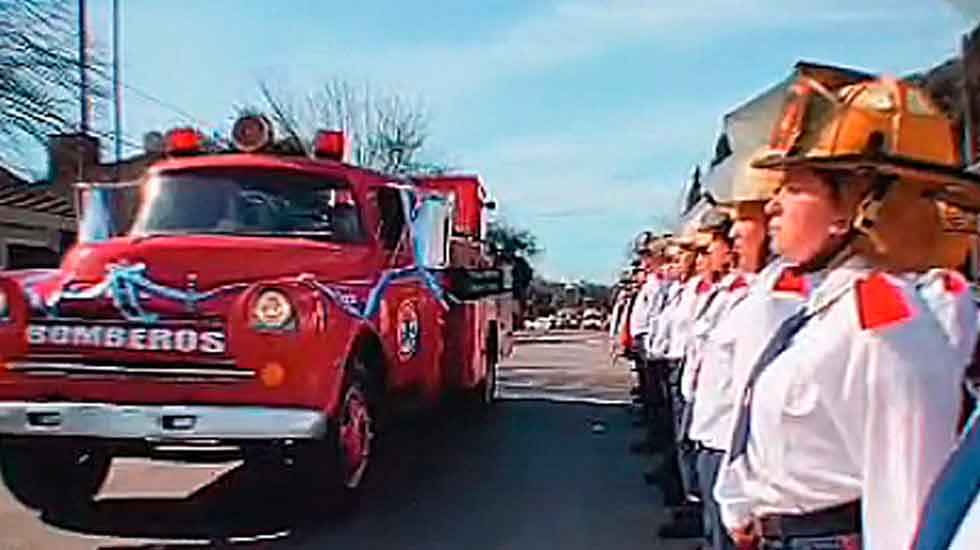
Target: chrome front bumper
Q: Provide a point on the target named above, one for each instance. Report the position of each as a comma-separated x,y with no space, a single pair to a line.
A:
159,422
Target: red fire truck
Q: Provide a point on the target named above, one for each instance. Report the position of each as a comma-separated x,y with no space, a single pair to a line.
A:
279,305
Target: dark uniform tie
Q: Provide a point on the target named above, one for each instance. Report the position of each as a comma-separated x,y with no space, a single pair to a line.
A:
777,344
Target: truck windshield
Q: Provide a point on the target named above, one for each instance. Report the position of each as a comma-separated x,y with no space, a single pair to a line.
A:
266,204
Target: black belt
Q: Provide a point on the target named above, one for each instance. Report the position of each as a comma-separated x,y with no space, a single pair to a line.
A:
702,448
844,519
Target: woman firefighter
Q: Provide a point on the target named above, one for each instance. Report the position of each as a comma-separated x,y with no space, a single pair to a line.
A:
744,197
848,411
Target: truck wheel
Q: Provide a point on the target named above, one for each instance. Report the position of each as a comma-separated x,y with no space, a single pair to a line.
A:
481,397
56,477
490,384
330,471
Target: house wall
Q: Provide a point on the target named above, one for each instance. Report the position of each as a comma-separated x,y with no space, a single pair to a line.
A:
40,238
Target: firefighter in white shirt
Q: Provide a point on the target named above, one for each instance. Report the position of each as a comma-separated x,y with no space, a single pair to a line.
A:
945,288
650,302
714,398
666,346
642,315
712,263
847,414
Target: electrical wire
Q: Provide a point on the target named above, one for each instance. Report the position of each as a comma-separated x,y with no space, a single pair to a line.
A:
168,105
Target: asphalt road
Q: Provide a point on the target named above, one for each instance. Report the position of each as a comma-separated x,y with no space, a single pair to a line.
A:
547,469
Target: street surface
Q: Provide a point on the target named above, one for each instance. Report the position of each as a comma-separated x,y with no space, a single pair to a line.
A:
547,469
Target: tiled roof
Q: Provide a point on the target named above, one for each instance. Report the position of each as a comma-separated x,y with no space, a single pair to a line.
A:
18,193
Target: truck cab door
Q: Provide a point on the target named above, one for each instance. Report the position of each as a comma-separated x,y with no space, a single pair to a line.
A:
412,313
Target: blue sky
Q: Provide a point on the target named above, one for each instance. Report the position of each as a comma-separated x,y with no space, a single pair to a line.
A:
584,117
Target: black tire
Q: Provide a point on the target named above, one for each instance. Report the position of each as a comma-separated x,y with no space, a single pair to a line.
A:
490,384
330,472
55,477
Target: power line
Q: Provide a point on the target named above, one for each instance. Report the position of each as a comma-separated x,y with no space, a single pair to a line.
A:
156,100
125,139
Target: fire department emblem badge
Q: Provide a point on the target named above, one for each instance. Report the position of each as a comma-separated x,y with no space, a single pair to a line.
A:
408,330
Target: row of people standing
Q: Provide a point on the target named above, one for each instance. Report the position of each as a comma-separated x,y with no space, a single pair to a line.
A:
805,373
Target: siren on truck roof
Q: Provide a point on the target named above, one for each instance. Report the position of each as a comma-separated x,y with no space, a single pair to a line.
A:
182,141
251,133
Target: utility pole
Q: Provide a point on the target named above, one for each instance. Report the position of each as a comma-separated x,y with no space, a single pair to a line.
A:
116,84
83,66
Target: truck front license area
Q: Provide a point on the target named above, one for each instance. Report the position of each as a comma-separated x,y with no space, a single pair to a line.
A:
159,422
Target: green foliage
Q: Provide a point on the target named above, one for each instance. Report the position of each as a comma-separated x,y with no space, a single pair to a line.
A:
510,241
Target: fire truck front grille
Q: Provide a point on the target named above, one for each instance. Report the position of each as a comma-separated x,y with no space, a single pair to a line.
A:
178,373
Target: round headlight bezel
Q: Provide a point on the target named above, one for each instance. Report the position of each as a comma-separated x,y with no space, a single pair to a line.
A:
271,309
4,305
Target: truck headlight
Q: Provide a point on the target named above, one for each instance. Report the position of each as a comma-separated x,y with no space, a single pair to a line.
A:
4,306
272,310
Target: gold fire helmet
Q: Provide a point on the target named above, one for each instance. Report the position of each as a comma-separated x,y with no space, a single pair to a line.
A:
742,190
894,153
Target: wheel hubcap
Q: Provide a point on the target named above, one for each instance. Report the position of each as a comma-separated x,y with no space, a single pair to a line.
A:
355,437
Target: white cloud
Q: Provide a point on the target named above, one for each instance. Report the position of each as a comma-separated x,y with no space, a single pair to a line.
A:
609,173
575,30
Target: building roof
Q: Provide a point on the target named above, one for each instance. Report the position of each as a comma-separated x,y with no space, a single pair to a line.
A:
18,193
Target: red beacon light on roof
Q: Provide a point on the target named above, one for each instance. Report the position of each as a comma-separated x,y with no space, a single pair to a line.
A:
330,144
182,141
251,133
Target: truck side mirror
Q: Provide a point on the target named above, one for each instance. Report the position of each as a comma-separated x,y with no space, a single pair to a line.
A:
96,221
105,210
432,224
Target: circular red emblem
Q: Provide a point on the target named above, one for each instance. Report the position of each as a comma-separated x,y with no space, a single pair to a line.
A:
408,330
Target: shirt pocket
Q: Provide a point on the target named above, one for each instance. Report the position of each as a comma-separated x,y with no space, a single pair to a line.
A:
801,398
801,391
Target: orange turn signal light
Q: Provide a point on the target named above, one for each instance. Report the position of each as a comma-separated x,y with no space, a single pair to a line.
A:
272,375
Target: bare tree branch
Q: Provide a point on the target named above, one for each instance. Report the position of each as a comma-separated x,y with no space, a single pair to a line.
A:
39,73
386,132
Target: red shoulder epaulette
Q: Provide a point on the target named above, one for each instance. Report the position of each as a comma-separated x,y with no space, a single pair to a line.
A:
738,284
704,285
791,281
954,282
880,303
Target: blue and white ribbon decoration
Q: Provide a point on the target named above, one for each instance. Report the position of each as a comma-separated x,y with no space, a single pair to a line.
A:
125,283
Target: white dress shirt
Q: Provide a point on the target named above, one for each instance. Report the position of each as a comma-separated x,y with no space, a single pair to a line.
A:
751,316
681,319
642,315
658,341
708,298
852,409
716,333
947,294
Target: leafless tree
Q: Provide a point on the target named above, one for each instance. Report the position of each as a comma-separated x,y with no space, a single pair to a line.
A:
386,131
39,73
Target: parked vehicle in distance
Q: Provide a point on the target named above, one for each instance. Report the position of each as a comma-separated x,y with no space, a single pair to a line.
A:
593,319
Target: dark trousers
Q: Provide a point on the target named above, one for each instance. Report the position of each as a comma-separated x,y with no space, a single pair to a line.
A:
639,354
686,452
657,401
830,542
709,462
